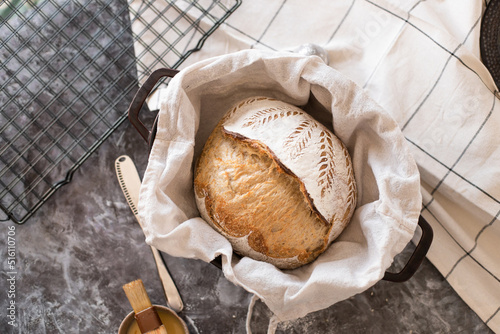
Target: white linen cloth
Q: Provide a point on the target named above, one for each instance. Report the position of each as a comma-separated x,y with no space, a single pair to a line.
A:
420,61
387,178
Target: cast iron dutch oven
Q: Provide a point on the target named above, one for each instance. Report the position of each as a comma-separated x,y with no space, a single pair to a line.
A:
149,135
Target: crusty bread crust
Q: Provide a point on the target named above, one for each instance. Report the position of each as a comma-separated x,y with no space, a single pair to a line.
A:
245,192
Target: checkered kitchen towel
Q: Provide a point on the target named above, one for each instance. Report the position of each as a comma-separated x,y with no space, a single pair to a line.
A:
420,60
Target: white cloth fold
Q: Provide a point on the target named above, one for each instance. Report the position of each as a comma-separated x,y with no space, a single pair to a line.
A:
389,199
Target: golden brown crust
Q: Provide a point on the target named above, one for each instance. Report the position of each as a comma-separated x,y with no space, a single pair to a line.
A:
249,208
266,150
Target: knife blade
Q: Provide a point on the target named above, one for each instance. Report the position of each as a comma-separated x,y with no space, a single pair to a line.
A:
130,183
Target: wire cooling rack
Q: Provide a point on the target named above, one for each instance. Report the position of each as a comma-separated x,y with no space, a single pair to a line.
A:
69,70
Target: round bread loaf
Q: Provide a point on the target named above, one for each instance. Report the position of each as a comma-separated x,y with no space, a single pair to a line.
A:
275,182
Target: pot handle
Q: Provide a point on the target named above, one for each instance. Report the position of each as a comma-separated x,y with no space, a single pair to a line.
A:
141,96
417,257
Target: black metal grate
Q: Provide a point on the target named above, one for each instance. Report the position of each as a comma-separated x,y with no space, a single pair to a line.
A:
68,71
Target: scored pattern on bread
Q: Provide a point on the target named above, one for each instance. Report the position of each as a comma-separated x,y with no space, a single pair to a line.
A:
241,104
351,196
327,162
267,115
298,139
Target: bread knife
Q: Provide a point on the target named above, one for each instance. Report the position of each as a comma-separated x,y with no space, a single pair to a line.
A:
130,183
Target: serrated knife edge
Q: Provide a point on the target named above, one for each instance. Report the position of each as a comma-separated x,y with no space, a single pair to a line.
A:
128,196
